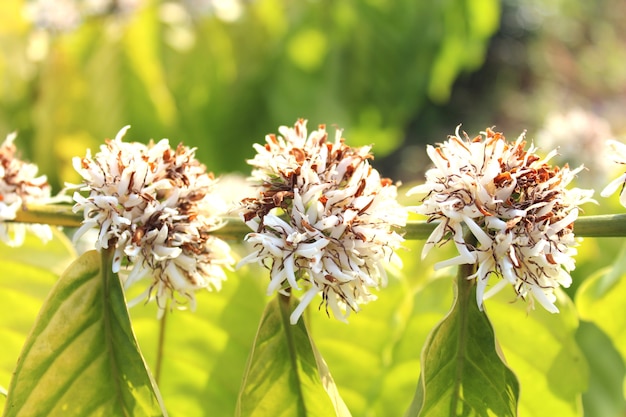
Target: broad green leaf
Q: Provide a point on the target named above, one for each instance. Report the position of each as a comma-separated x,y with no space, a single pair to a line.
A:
285,374
205,351
601,299
81,358
462,371
27,273
605,397
541,349
375,356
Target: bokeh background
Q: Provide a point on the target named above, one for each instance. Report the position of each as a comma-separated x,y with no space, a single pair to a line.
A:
220,74
398,74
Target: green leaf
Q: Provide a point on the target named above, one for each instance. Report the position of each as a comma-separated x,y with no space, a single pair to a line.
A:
27,273
462,371
601,299
286,375
605,397
375,358
541,349
81,358
205,351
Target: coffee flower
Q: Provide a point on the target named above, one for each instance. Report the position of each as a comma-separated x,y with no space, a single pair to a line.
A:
19,185
617,152
516,207
322,218
155,207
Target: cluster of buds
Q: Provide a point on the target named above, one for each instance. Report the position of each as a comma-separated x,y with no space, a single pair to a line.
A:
156,208
516,207
321,217
19,185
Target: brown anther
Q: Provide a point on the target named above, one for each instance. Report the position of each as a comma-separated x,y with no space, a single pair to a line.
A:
359,190
494,136
510,224
279,197
120,166
541,175
308,226
513,258
196,196
546,216
368,205
297,127
480,208
440,153
532,158
502,178
138,235
459,142
298,154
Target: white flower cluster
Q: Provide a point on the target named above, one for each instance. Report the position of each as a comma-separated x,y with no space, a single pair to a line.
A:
617,152
322,216
19,185
516,207
155,205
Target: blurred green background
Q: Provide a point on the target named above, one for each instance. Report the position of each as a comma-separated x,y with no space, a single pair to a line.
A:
220,74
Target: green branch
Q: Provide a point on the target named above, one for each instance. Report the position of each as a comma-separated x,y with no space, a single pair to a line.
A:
605,225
